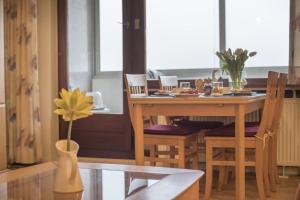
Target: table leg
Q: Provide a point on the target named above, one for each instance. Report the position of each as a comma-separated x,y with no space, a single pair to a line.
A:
240,152
139,134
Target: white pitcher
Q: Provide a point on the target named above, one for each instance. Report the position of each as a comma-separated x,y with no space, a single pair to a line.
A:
67,178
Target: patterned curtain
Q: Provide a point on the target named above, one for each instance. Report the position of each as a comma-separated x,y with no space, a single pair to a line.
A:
294,71
21,71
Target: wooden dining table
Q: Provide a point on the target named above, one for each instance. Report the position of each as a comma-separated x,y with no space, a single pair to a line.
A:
235,106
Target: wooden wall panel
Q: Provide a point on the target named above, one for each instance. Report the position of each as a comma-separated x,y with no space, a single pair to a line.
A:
3,158
1,54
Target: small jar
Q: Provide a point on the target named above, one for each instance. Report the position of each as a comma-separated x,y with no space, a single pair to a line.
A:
217,88
207,89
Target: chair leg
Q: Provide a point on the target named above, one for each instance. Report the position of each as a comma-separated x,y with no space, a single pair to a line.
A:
152,154
209,171
259,175
226,177
266,169
275,169
222,172
181,154
276,174
195,164
271,165
172,154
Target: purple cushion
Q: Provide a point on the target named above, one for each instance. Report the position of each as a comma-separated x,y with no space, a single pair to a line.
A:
247,124
169,130
199,124
228,131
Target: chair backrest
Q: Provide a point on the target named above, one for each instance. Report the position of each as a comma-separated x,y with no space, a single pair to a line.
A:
168,83
270,101
278,107
136,86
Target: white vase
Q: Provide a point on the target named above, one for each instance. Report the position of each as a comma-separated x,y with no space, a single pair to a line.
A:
67,178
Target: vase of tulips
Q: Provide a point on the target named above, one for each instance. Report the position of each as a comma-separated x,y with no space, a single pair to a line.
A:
233,64
72,105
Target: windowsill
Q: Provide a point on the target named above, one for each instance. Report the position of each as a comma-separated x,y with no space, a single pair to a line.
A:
251,72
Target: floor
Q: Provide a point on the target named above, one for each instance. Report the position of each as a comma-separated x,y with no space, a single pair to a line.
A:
285,190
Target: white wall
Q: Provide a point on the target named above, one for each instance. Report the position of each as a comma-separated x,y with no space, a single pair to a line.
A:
48,74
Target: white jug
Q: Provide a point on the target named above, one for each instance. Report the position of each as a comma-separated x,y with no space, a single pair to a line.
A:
67,178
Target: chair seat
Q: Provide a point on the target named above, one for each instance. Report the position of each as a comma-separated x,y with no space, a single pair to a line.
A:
229,131
199,124
169,130
247,124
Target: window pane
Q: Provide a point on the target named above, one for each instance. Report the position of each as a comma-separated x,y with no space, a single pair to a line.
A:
80,44
182,34
111,35
262,26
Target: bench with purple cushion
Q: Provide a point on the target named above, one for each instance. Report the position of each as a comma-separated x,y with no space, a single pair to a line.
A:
247,124
199,124
169,130
229,131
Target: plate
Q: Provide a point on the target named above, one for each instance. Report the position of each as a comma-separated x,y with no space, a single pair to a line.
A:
162,93
185,95
216,95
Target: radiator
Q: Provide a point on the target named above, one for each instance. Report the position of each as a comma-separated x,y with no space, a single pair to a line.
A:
289,134
251,117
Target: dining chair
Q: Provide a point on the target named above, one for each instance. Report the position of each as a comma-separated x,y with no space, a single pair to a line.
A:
170,82
256,137
278,108
274,177
183,139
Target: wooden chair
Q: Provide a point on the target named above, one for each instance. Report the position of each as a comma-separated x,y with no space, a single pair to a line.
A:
272,166
273,172
183,139
257,138
168,83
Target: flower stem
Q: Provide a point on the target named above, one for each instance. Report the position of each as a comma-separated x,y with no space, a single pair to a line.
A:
69,134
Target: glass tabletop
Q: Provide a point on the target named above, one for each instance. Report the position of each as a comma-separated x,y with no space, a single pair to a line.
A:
99,184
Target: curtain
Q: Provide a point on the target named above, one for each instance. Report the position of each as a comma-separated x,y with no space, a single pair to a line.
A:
294,70
21,73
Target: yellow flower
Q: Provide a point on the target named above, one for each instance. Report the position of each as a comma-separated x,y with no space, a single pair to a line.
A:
74,105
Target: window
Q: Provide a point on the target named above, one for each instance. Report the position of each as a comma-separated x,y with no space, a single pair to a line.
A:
109,53
260,25
186,34
181,34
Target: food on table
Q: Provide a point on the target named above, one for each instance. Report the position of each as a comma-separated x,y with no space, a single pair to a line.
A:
185,91
207,89
199,85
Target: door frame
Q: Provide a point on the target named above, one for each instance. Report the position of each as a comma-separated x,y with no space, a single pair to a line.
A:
134,42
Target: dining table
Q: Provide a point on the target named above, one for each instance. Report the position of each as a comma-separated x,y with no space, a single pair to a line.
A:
199,105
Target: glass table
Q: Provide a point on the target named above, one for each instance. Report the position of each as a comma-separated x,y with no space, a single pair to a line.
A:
103,181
